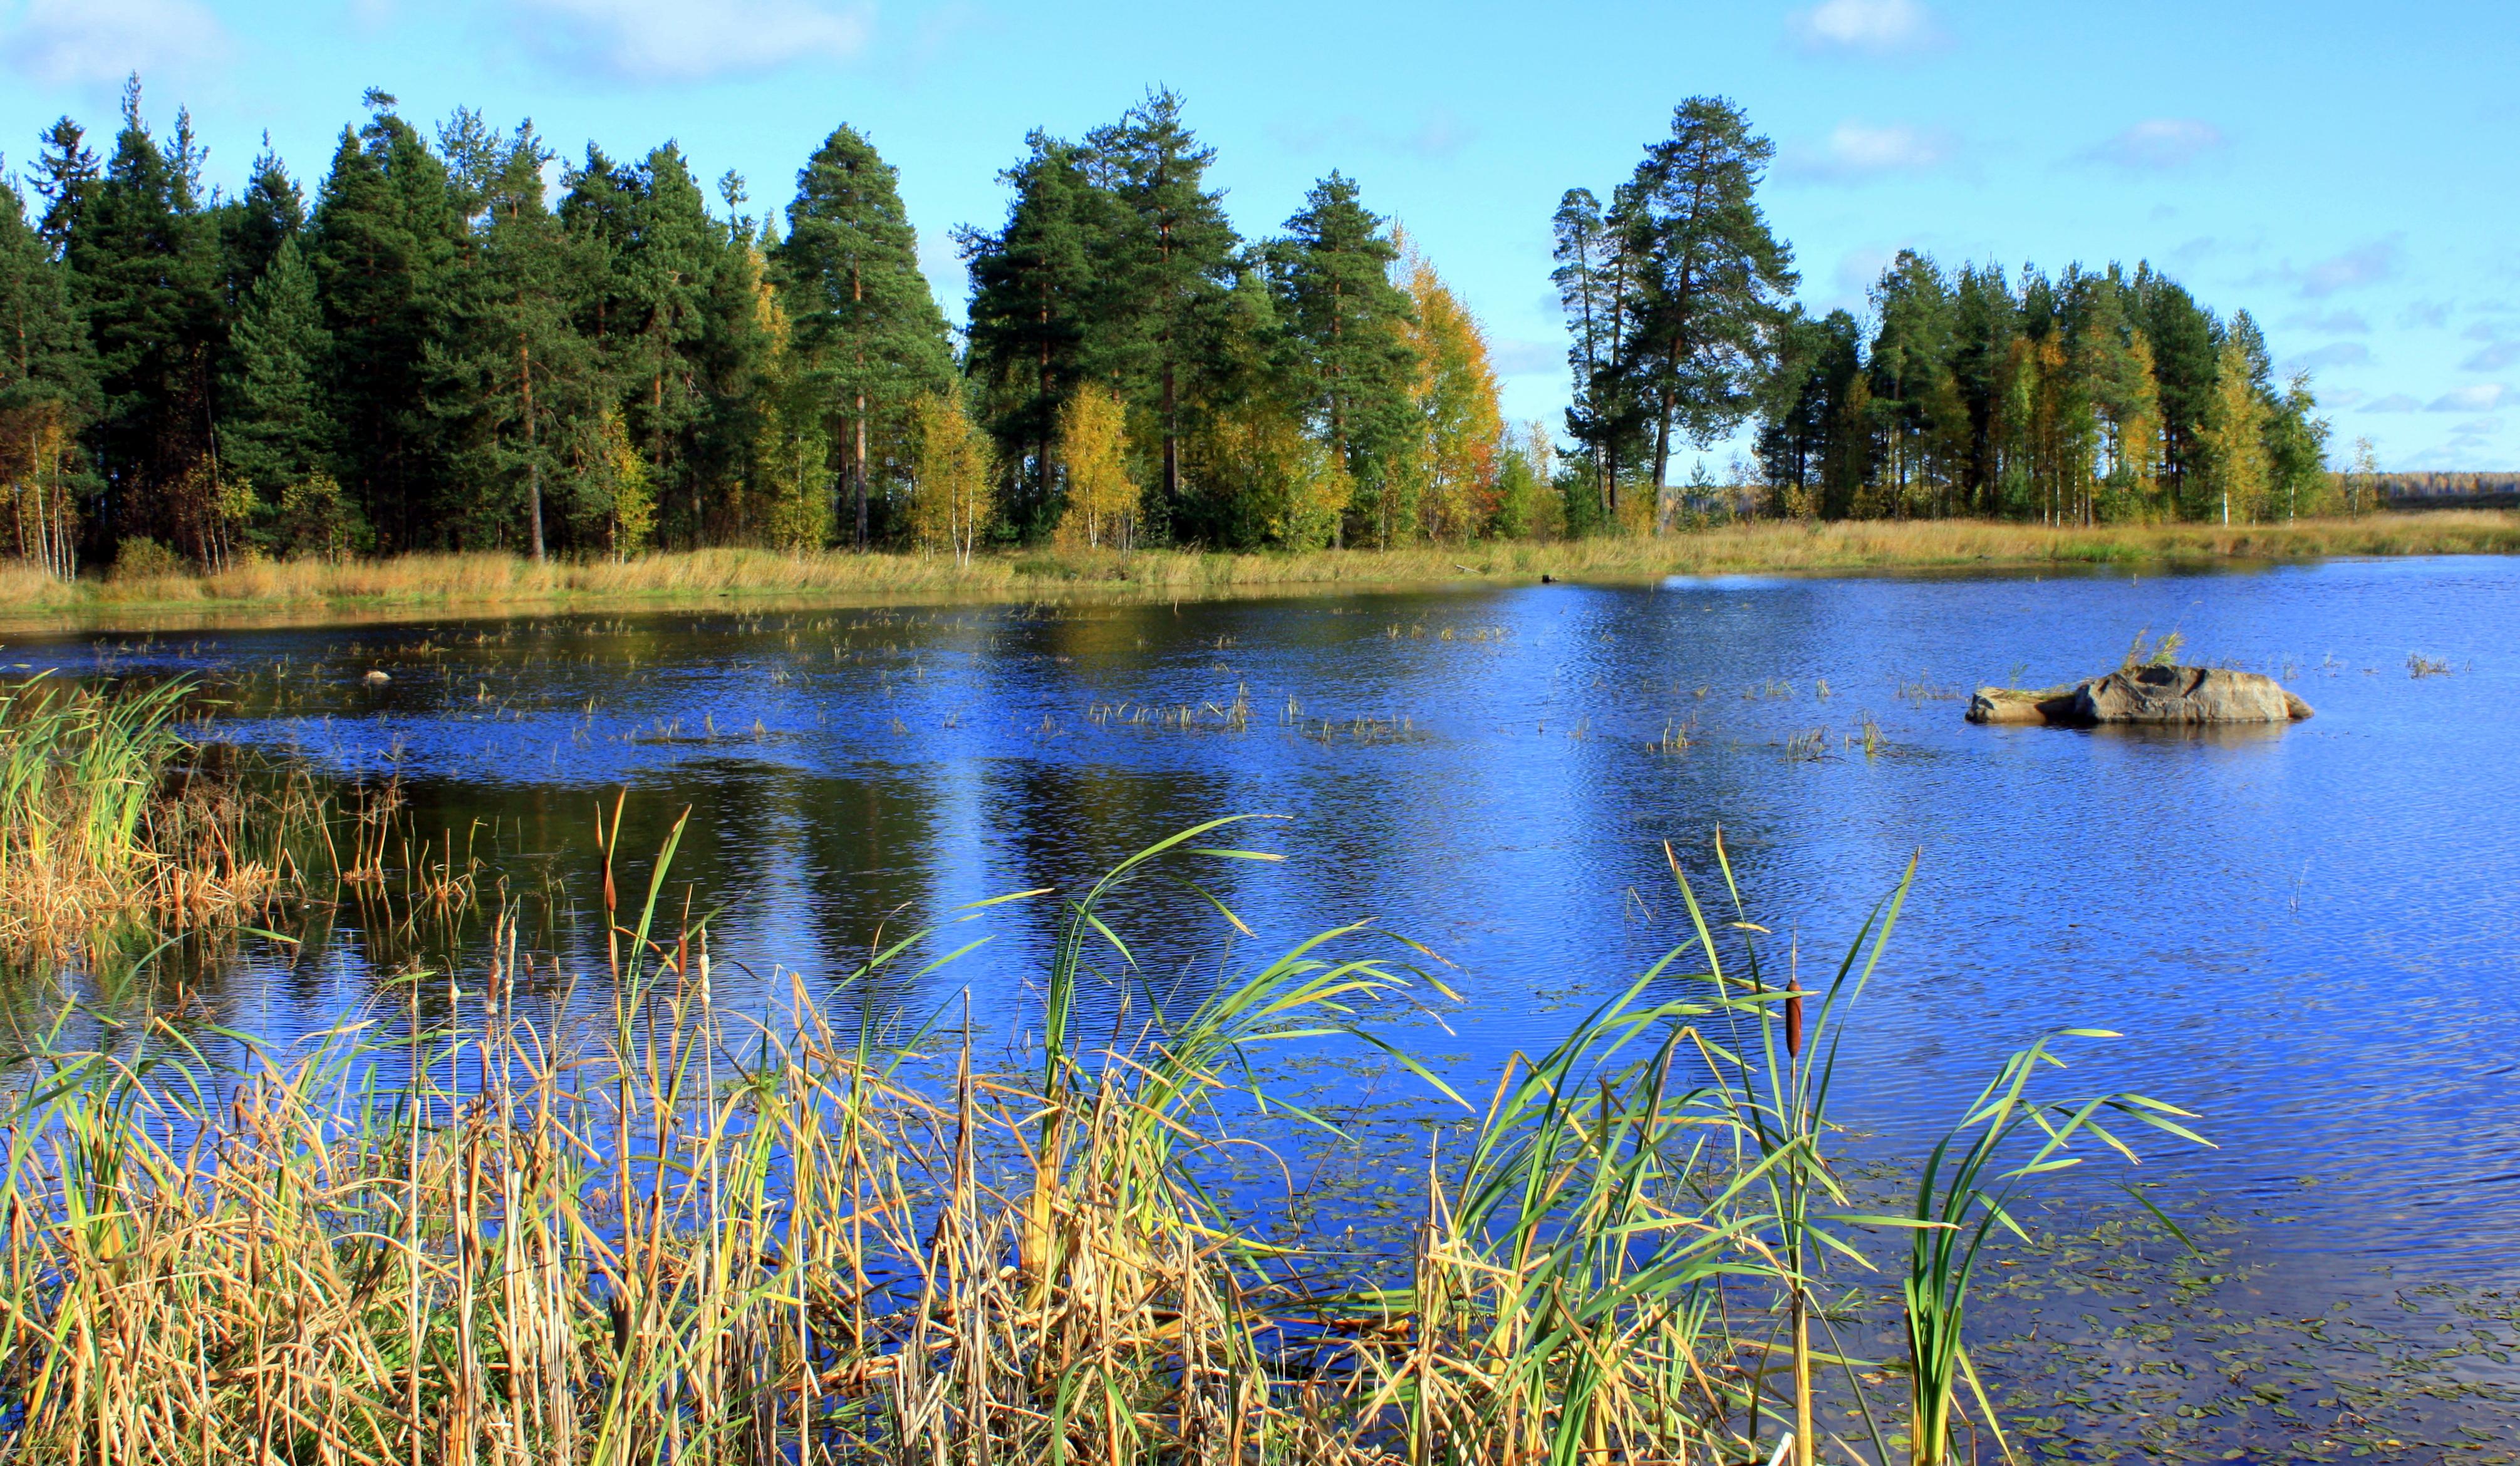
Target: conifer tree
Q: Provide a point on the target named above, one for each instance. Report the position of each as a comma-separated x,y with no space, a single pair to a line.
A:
47,396
1715,275
864,319
1038,297
1171,265
145,270
280,430
386,236
1332,273
520,389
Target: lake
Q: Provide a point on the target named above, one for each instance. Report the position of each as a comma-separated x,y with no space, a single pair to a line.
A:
2307,934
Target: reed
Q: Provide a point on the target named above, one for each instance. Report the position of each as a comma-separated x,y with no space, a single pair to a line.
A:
113,820
709,577
493,1224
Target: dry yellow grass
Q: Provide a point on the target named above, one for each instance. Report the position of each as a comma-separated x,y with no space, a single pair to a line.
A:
490,581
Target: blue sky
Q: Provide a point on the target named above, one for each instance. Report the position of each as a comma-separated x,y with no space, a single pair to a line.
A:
2347,172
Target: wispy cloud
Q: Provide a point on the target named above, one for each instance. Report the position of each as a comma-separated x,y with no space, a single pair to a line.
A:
2157,145
2333,354
2361,265
2483,397
2426,313
1853,152
1519,358
1438,135
102,41
1865,28
2492,357
2394,402
2331,323
670,40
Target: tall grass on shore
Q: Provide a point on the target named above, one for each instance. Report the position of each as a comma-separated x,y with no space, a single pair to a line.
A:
709,576
492,1231
111,819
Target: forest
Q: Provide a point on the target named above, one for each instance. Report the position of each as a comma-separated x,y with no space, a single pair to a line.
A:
459,342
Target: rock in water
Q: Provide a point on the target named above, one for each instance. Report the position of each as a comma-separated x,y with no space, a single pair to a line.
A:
2171,695
375,678
2186,694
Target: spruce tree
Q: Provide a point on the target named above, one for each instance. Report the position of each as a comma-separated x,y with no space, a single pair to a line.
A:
47,397
145,267
279,433
660,251
864,319
385,239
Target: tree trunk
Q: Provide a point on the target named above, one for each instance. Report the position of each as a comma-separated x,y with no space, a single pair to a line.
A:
858,476
533,460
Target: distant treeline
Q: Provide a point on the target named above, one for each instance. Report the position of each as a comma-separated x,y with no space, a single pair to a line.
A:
442,350
2399,488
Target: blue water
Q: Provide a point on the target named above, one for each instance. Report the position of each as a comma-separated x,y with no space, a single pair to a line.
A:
2309,934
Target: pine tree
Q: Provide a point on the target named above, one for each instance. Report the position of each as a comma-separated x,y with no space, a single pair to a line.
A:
47,396
280,428
1170,269
1715,275
1036,297
865,318
521,389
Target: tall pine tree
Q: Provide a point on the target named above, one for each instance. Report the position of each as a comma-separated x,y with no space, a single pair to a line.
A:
864,319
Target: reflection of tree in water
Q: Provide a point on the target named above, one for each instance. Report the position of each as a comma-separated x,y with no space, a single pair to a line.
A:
1063,826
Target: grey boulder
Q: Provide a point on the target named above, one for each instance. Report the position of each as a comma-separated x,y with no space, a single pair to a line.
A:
2158,695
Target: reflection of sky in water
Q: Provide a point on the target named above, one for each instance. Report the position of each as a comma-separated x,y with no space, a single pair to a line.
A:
2309,934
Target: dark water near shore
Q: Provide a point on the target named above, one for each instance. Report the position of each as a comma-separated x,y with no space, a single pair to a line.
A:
2309,934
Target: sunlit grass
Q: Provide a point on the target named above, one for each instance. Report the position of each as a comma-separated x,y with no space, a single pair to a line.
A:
712,576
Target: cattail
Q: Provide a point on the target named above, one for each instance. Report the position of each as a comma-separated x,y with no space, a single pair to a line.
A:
1794,1021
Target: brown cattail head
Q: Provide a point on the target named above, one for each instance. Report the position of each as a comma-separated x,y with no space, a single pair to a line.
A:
1795,1022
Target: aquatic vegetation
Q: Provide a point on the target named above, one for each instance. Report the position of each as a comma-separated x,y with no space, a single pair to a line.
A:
487,1224
2421,665
113,820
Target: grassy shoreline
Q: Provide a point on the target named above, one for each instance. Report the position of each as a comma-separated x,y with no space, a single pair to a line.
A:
494,582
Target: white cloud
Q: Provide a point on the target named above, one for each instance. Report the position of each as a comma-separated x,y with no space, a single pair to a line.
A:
1868,27
2394,402
102,41
2483,397
672,40
1856,150
2492,358
2364,264
2159,143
